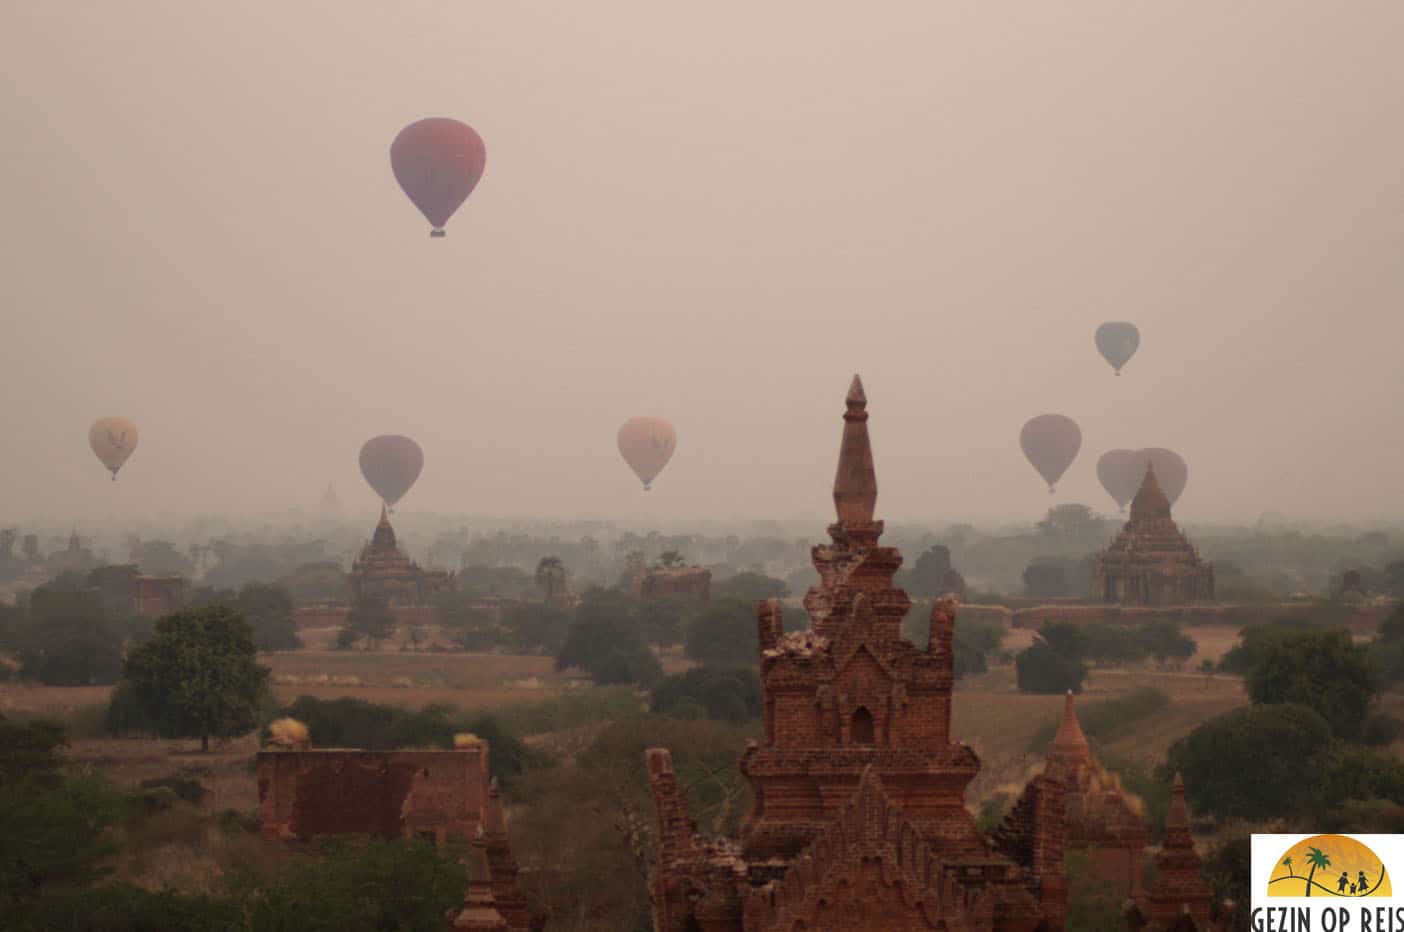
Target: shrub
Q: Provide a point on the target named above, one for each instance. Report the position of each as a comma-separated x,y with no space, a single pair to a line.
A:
1041,669
1256,762
1323,670
724,635
728,694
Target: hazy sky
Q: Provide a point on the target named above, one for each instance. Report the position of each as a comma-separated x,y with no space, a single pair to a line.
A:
712,212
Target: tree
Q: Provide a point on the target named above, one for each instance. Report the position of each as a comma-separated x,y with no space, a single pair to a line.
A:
369,620
1316,858
1323,670
197,676
605,641
1068,639
1166,643
664,619
1041,669
161,558
1253,762
1074,525
550,577
670,559
724,635
1045,579
268,609
732,695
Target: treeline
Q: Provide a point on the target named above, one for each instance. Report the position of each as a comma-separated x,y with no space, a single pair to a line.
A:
75,630
1059,659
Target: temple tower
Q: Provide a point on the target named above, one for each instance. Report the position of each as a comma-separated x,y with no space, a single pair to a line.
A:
1150,562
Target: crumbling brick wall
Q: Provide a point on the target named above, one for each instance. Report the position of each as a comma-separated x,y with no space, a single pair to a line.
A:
318,793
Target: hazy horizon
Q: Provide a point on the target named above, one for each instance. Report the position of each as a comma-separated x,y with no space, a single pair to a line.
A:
716,215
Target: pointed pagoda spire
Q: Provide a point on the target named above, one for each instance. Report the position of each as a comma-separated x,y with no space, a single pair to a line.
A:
855,483
1150,501
1177,821
479,907
384,537
1070,746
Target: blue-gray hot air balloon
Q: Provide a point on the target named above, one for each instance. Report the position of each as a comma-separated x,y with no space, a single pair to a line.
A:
1117,341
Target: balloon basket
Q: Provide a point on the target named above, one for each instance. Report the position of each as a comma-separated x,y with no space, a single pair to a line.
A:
436,234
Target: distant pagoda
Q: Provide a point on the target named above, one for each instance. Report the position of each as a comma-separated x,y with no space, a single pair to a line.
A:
383,571
1151,562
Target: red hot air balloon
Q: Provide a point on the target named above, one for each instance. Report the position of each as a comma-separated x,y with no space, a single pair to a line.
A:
1051,442
647,443
391,464
1117,471
438,162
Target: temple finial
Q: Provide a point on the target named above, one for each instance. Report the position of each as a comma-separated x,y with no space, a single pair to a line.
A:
1150,500
855,483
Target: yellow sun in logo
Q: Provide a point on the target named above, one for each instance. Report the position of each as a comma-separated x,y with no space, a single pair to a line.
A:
1328,865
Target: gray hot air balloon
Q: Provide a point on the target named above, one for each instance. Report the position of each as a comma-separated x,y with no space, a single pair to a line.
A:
1051,442
391,464
1122,471
1117,341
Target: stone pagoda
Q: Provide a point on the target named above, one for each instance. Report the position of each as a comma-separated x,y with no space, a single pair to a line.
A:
1180,900
1102,818
858,819
383,571
1150,562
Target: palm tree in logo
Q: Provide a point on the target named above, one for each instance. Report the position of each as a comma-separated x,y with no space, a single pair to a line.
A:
1287,863
1316,858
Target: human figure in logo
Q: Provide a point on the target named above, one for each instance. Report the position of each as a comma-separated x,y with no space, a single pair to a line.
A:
1352,889
1341,884
1363,884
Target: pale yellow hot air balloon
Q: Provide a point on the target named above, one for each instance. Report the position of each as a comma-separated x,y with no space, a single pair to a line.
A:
647,443
113,439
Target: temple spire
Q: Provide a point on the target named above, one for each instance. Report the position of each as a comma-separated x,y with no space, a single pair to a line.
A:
1150,500
1177,822
479,906
855,483
1070,744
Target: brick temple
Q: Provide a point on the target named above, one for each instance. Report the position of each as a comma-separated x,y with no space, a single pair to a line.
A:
858,820
1150,562
384,571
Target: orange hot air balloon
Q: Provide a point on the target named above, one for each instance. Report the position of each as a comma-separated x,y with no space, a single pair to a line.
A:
391,464
1051,442
113,439
647,443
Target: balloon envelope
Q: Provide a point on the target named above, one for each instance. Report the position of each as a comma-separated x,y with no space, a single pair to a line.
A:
438,162
113,439
1117,341
647,443
391,464
1051,442
1122,472
1117,471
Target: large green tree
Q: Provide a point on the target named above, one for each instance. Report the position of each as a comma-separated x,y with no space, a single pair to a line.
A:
197,676
1323,670
724,635
1254,762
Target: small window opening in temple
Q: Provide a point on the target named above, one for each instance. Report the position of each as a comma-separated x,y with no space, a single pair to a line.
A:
863,727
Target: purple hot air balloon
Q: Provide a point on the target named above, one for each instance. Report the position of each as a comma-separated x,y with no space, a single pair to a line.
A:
1117,471
1122,471
391,464
1051,442
438,162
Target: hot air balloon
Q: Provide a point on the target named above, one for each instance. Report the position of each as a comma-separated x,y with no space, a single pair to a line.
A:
1122,472
113,439
438,162
1117,342
647,443
1051,442
1116,470
391,464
